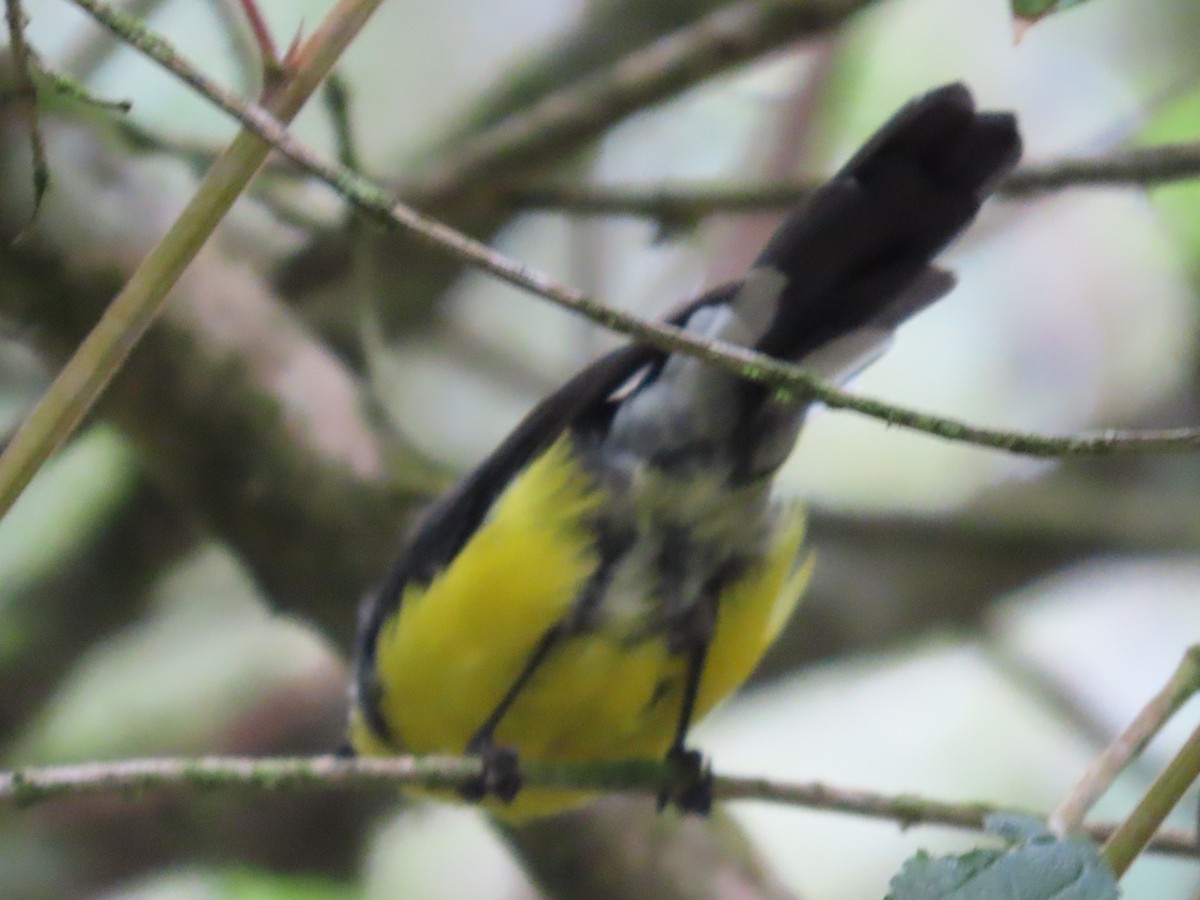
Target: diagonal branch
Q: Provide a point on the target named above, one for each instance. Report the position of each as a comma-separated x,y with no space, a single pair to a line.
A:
567,119
243,416
1183,684
529,123
89,370
376,202
1136,833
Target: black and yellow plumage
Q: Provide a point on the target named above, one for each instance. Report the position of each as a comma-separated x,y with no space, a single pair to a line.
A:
616,567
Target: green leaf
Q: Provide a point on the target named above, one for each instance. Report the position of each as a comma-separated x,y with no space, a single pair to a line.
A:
254,884
1178,202
1038,867
1030,11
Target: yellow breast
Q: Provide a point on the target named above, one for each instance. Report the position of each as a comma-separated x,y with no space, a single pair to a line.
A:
456,646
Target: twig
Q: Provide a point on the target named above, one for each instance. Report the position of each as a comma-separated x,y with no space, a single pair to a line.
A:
563,120
268,56
280,428
785,378
68,87
687,203
1141,166
24,787
909,809
610,33
100,355
336,96
93,49
1135,834
1182,685
26,99
134,32
241,43
570,117
1030,676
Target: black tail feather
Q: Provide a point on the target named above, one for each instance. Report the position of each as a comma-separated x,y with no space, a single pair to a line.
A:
868,235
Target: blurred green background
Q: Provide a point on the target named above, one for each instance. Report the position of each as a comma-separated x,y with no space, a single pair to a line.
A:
979,624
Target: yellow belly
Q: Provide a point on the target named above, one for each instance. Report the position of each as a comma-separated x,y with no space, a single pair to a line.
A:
456,646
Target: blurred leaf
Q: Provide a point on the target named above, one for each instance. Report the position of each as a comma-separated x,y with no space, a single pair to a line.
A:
1039,867
235,883
71,497
254,884
1029,11
1179,202
176,681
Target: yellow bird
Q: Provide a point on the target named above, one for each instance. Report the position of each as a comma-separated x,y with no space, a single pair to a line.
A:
616,567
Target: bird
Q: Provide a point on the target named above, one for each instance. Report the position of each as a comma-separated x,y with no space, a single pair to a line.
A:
617,566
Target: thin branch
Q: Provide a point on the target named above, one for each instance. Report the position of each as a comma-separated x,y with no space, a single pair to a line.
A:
241,44
1136,833
688,203
26,98
721,40
25,787
785,378
73,89
134,32
278,428
77,387
909,809
685,204
1136,166
337,100
670,203
611,34
268,56
93,49
1182,685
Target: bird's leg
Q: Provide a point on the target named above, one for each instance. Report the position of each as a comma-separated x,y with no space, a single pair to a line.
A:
691,785
501,776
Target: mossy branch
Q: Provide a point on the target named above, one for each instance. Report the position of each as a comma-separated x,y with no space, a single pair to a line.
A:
29,786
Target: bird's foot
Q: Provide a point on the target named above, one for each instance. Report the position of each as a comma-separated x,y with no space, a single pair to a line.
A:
499,778
690,787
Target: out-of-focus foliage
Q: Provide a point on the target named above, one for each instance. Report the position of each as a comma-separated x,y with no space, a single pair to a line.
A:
235,884
70,499
1032,10
1073,311
1179,121
206,636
